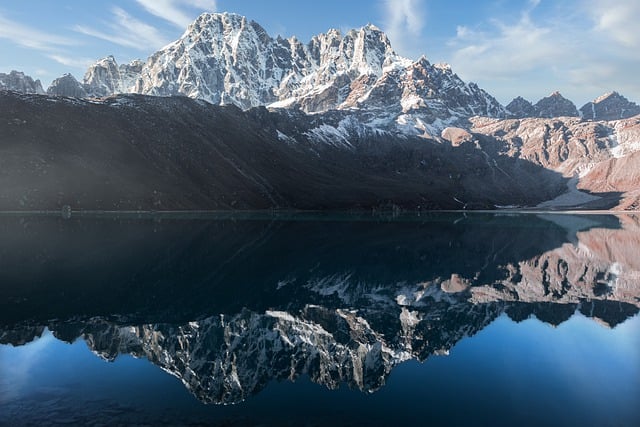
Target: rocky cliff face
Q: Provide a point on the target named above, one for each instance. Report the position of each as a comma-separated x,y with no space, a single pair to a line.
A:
19,82
106,77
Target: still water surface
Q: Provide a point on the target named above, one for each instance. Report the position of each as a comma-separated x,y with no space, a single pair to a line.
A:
445,319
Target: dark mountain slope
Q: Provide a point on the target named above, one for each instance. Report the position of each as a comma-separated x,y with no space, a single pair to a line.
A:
137,152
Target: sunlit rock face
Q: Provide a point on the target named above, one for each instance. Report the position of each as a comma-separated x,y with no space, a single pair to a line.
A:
19,82
339,311
600,156
106,77
225,58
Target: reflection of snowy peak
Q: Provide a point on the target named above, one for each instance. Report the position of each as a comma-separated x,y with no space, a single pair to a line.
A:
226,359
331,310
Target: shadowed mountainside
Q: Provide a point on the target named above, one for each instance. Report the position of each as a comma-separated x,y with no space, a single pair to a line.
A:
137,152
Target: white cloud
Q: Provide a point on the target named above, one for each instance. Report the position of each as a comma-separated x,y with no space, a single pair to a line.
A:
30,37
69,61
508,50
405,21
174,10
127,31
617,20
581,48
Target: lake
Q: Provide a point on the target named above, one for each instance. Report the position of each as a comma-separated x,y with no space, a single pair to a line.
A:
320,319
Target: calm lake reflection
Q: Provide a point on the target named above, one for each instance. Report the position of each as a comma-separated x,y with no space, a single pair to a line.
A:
443,319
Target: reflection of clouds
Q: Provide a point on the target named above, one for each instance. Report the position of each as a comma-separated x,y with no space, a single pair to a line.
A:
17,365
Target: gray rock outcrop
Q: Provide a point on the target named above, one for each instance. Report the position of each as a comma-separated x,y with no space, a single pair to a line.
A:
67,85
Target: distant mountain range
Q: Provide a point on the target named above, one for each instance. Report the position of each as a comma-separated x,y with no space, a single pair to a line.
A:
225,58
345,91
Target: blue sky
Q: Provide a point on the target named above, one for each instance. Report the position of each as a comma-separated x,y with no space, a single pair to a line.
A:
583,48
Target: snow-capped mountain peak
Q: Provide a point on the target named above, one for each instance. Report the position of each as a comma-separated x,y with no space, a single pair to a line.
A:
19,82
106,77
225,58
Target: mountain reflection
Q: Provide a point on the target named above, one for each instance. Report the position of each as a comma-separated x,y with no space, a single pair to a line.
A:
230,305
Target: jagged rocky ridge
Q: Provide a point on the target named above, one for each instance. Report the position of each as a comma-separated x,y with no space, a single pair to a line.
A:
328,309
608,107
106,77
67,85
225,58
555,105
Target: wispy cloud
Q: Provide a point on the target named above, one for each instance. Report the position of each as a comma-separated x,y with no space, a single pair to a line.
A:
175,11
127,31
617,20
30,37
507,49
404,21
70,61
580,47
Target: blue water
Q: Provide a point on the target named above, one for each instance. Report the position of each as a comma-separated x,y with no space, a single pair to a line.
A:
68,352
580,373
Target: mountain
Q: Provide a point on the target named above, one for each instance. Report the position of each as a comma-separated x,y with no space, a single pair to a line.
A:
354,124
521,108
555,105
67,85
610,106
19,82
225,58
142,152
597,156
106,77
